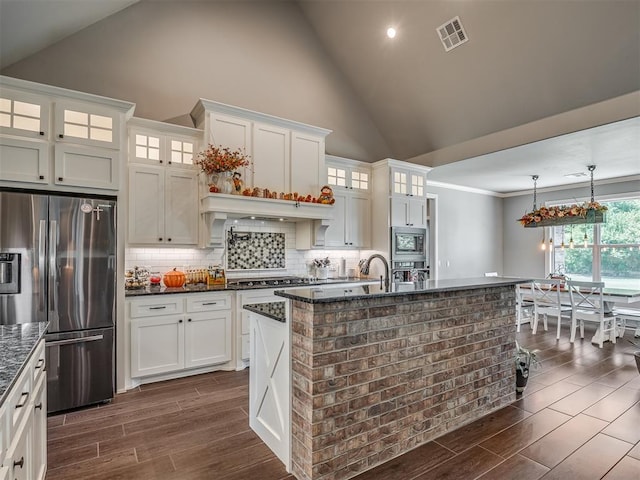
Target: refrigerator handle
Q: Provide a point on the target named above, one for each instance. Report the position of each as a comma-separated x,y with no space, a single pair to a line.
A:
71,341
42,243
53,273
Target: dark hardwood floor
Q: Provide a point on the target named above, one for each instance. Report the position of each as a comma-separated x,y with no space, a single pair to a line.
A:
578,419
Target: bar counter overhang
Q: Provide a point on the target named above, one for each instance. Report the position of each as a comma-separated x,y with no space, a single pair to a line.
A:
376,374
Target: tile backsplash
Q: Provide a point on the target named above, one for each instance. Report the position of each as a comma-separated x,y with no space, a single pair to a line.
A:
255,250
161,259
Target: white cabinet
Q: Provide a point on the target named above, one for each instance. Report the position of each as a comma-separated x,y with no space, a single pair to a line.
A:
287,156
409,182
247,297
58,138
163,184
409,212
351,224
179,333
23,423
163,206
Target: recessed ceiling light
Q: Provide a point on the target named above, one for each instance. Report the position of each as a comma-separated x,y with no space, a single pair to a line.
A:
391,32
576,175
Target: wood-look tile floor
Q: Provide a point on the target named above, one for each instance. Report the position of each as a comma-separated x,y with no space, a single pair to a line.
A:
578,419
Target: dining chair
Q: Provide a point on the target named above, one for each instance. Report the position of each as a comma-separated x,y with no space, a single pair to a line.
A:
546,300
587,304
524,304
624,315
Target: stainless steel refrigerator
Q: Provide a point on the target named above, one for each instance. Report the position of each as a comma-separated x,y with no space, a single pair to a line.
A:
58,264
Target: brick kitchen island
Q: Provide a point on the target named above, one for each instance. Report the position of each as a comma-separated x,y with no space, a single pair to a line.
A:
375,374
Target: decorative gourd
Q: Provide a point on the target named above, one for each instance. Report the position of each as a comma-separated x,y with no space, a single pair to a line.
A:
174,278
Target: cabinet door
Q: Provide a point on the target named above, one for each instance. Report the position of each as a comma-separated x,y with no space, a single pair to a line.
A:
146,204
417,212
400,211
39,431
399,182
87,167
271,157
359,221
336,233
19,455
86,124
233,133
157,345
24,114
417,184
307,163
24,160
181,207
207,338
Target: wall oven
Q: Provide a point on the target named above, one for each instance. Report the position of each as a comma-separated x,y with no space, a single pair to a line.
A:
408,244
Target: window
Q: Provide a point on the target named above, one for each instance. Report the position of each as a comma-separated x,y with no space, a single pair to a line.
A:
607,252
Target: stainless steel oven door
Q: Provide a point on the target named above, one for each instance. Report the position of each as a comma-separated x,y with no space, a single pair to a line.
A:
408,244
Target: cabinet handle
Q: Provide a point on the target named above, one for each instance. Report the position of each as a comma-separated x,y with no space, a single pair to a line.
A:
41,177
38,406
210,303
19,464
158,308
160,239
41,133
40,364
59,179
60,135
26,396
180,321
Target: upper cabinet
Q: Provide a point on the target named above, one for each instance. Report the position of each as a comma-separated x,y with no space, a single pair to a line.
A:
163,183
287,156
408,182
59,139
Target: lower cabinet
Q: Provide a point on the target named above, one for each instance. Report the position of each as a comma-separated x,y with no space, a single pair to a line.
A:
23,424
179,333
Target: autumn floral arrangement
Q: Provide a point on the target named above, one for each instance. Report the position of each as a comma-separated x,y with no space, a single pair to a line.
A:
221,159
561,211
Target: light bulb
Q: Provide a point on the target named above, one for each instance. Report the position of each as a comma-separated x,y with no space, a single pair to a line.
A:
391,32
543,246
571,244
550,243
562,246
586,241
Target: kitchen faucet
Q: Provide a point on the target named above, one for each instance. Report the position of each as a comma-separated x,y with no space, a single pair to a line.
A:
364,269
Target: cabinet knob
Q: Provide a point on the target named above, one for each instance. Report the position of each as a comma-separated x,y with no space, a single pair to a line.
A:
59,179
180,321
41,133
41,177
168,239
188,320
38,406
169,162
160,161
60,135
160,239
19,463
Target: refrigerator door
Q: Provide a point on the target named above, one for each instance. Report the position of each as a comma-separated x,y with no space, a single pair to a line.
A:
79,368
23,253
82,263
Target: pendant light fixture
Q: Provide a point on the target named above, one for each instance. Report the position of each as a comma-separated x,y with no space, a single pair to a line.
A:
586,240
571,244
587,212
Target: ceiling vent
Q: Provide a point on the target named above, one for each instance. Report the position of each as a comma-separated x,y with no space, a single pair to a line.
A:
452,34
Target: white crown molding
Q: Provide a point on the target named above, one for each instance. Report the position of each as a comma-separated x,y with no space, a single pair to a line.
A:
164,127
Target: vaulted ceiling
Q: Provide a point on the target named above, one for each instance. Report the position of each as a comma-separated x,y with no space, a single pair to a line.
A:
525,61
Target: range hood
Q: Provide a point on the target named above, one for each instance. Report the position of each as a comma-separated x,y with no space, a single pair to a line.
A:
217,208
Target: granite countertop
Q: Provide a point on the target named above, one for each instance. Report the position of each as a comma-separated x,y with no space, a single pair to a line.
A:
328,295
275,310
17,343
201,288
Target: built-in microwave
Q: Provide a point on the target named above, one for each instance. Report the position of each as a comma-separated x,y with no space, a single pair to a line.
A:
408,243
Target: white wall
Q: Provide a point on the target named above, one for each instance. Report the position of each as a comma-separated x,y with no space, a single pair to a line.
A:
164,56
522,254
469,233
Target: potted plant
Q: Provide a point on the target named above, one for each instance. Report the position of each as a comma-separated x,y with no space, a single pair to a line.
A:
525,360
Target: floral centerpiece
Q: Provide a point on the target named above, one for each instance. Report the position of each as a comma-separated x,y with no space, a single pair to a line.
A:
546,216
221,159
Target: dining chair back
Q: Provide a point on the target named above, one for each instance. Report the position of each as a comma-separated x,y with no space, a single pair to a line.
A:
524,304
546,299
587,304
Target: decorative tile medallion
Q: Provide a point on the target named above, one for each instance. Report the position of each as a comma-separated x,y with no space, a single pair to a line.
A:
255,250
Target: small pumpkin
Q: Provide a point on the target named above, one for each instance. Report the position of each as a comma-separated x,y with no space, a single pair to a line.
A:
174,278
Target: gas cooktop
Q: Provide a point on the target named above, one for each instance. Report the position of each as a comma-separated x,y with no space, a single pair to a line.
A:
267,281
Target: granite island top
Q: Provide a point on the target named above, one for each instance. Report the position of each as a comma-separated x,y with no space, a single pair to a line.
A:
337,294
17,342
275,310
202,288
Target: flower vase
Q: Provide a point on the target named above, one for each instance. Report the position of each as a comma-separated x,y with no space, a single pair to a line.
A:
225,182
